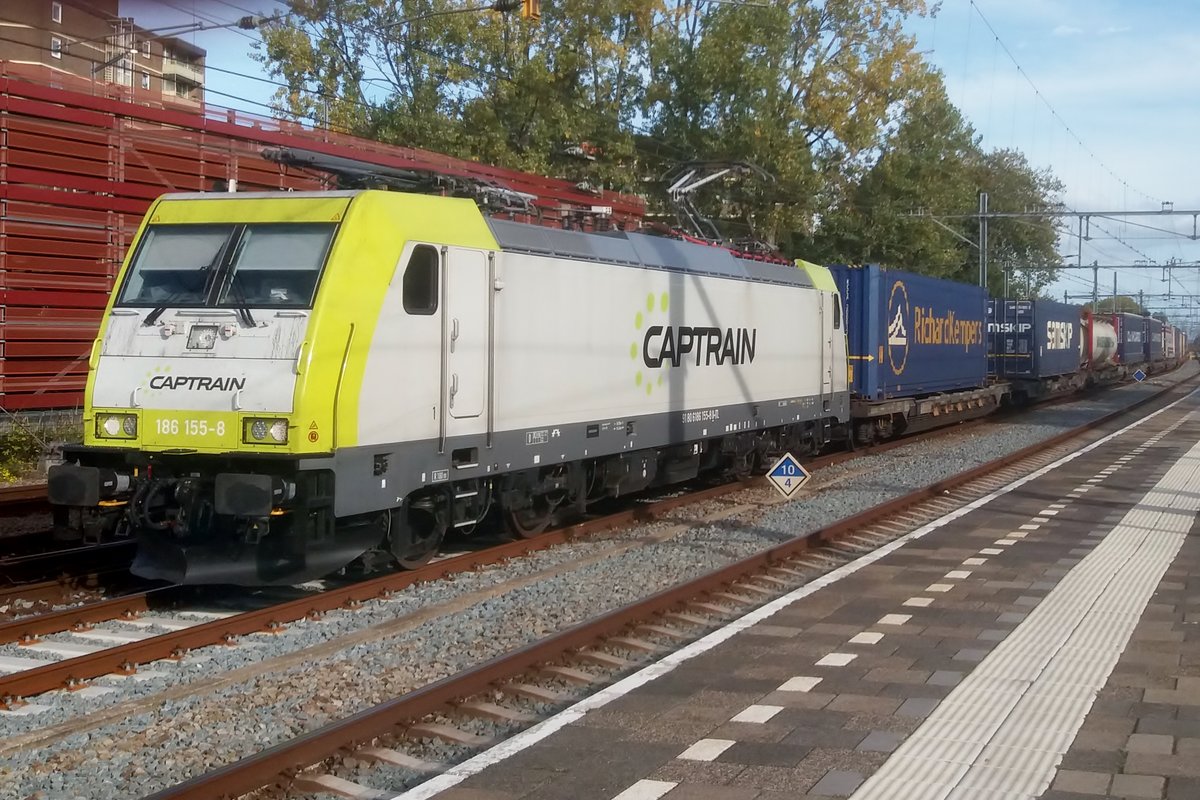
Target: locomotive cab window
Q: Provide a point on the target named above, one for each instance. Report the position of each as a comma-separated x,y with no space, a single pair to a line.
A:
276,265
173,265
837,312
260,265
421,281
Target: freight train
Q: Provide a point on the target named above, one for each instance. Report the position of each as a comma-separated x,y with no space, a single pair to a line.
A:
287,384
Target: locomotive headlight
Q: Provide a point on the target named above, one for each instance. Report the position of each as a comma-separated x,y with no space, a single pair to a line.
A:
257,430
278,430
116,426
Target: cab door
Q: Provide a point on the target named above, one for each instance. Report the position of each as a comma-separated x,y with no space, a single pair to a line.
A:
827,317
466,332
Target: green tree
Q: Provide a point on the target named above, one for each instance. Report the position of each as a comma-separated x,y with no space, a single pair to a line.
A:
1123,305
479,85
911,207
928,165
803,89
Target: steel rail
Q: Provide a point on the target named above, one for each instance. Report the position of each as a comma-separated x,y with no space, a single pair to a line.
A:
74,564
256,771
24,499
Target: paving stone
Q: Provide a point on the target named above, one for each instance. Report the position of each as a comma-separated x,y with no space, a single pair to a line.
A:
945,678
913,676
864,723
701,791
1069,780
838,783
1188,748
780,779
1186,729
765,754
826,737
857,703
708,772
808,700
1150,743
881,741
1110,761
917,707
1180,788
1152,764
1138,786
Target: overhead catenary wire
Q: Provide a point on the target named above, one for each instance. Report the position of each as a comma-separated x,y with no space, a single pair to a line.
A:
1053,111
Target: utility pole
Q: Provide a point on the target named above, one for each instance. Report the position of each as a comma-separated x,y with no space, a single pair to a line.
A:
983,232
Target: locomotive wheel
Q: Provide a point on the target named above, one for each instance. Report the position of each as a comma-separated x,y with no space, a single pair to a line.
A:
420,551
425,533
527,523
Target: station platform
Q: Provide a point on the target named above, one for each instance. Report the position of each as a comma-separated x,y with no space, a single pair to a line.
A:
1044,644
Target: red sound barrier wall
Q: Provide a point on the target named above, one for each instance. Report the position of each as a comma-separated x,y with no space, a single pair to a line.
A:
79,166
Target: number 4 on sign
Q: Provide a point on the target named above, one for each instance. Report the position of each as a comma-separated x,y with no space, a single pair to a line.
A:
787,476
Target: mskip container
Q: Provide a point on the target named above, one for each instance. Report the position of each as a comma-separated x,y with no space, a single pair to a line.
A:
1131,338
1032,339
911,335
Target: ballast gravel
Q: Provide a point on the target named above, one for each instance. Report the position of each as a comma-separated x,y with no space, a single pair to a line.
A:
149,734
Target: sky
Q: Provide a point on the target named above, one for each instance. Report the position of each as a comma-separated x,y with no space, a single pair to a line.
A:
1101,92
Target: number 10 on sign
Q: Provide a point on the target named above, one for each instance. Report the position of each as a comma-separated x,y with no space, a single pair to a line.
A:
787,475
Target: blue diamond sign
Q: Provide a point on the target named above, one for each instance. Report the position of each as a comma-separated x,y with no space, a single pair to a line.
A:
1139,376
787,475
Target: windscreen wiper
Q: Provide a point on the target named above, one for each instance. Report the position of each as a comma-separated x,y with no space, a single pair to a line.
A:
239,300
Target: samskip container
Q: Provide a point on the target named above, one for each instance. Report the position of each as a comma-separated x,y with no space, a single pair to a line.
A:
1033,338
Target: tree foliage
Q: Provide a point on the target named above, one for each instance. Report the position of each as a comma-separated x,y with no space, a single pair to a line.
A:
1122,303
828,96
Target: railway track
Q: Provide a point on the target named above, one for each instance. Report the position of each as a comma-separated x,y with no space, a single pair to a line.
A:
117,635
101,642
509,689
25,559
26,499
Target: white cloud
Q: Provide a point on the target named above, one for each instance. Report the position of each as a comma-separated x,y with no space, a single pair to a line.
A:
1115,29
1067,30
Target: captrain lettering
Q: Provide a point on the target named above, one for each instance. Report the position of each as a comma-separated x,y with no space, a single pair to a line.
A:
678,344
197,383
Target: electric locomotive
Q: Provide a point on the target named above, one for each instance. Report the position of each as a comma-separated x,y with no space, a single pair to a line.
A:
285,384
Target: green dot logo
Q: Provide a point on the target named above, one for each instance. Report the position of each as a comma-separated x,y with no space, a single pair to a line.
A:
641,320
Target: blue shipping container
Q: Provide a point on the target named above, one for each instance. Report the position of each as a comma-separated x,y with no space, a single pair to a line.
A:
910,335
1131,338
1033,338
1153,345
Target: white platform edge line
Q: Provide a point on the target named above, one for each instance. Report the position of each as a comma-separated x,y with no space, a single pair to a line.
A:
531,736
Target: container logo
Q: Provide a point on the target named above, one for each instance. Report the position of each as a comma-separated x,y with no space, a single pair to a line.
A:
898,312
1059,335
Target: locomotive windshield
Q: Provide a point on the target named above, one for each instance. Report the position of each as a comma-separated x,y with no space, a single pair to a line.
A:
228,265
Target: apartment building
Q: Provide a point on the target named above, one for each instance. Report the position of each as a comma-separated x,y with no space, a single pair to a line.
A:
89,39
